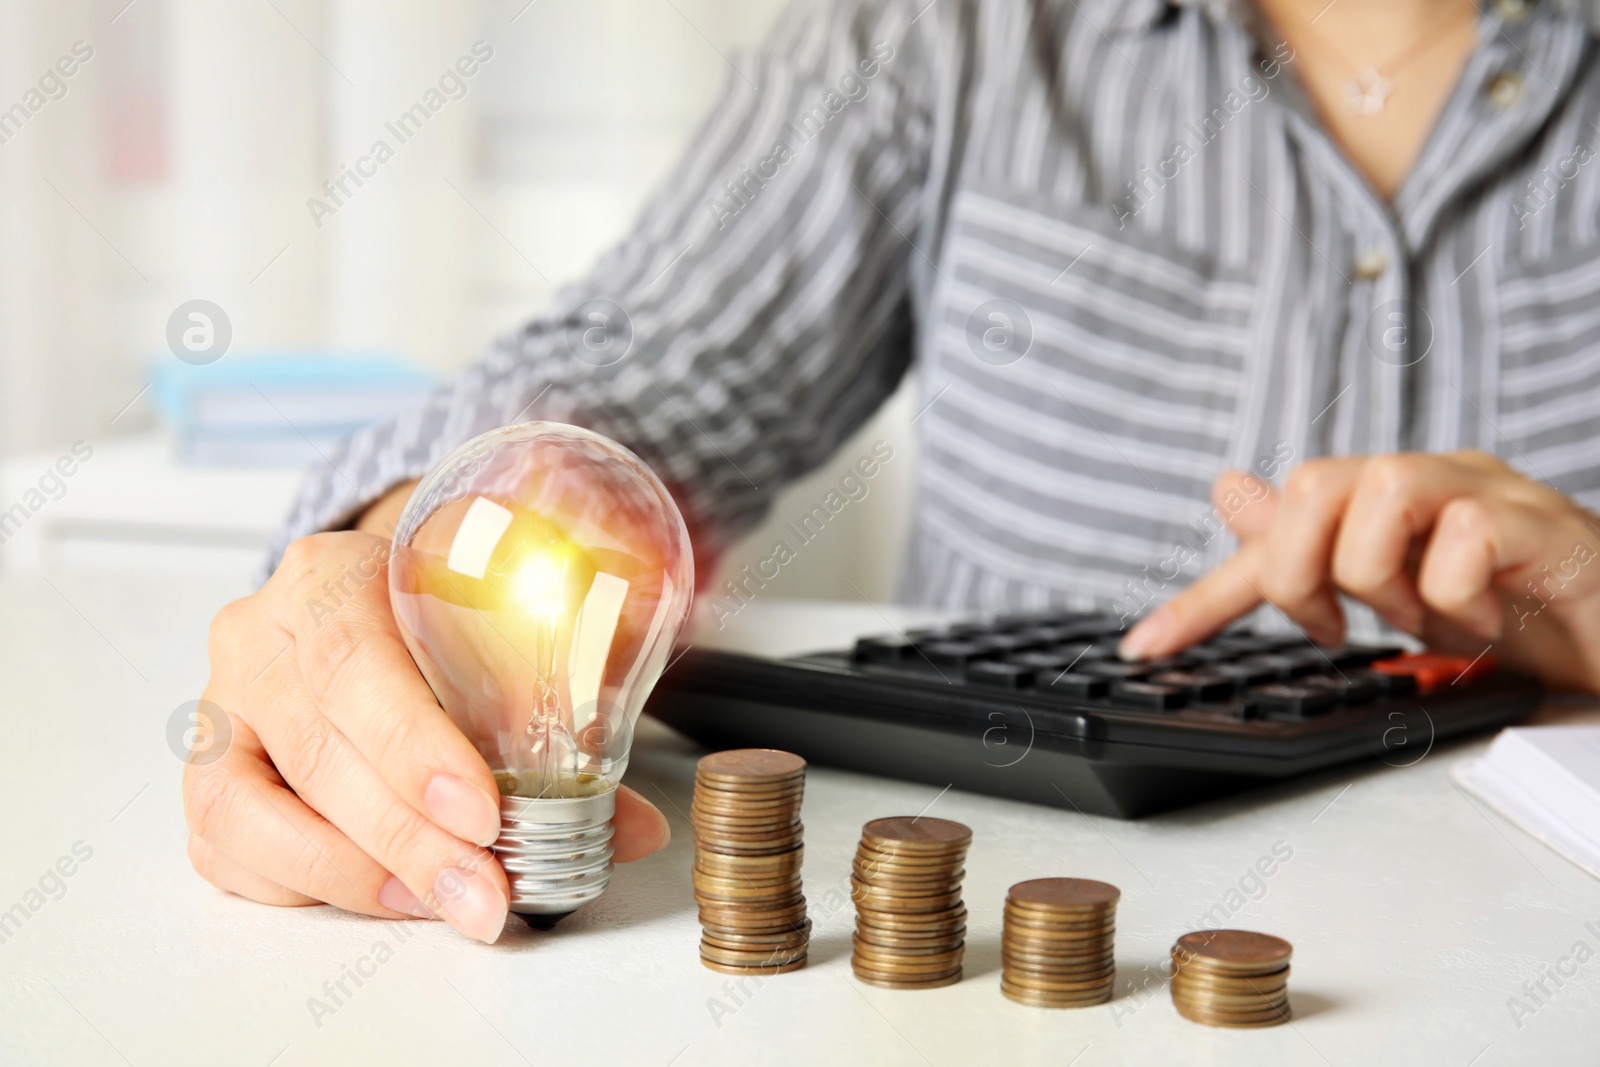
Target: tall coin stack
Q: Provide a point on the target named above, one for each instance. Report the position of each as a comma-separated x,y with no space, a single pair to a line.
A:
1058,945
747,850
1231,978
911,924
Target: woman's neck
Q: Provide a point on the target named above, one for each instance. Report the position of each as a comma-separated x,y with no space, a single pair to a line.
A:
1379,72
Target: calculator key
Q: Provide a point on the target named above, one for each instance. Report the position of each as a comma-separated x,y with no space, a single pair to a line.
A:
1346,689
1074,686
1148,696
1040,661
1434,671
1042,636
1288,701
1244,674
1202,686
1082,652
883,649
1286,666
1002,644
1390,686
1366,655
1236,710
1202,654
1003,675
955,654
1114,670
1254,644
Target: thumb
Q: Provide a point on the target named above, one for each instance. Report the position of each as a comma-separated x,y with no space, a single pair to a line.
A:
1245,502
640,827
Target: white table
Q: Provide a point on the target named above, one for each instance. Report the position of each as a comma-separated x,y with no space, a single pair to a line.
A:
1414,914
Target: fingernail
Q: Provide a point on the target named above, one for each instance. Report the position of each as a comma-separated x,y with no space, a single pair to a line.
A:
1146,635
666,831
462,809
470,903
396,897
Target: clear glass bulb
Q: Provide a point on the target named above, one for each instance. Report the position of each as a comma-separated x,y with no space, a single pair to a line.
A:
540,575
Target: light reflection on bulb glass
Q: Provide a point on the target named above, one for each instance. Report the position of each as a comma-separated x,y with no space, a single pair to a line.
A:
540,576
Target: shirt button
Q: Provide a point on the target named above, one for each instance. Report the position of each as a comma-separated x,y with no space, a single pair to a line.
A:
1371,264
1505,89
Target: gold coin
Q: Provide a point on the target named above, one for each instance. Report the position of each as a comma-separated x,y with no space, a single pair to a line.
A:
1029,951
1039,921
882,958
734,917
740,894
752,880
742,851
1057,974
1229,987
761,970
892,938
718,825
781,863
901,948
733,938
1063,894
1045,1000
892,920
1237,1002
866,850
1234,950
873,870
1269,1017
1063,938
899,900
751,764
916,834
896,973
757,956
872,979
1076,985
909,966
745,795
1057,946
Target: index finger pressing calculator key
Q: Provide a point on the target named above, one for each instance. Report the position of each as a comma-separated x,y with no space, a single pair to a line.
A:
1038,707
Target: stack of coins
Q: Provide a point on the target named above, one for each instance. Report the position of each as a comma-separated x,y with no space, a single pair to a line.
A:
1231,978
1057,949
910,922
747,849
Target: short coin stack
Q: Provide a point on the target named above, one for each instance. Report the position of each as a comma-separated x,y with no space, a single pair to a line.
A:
1058,945
1231,978
747,849
911,924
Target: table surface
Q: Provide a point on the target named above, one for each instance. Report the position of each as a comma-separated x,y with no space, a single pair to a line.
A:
1416,915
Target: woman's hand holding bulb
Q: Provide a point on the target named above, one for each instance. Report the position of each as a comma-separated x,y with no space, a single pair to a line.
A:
344,781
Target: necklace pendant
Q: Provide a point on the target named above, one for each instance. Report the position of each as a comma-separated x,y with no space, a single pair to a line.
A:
1367,92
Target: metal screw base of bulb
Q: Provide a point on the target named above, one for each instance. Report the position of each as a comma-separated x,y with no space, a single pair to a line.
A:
556,851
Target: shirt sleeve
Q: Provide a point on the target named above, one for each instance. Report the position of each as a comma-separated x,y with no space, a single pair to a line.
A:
758,313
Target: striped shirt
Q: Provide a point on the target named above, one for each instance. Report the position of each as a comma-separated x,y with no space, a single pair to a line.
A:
1118,252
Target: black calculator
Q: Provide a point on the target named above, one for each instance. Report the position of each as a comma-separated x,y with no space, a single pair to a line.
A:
1038,707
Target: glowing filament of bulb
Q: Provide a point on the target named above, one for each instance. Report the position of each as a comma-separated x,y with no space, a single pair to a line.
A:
539,585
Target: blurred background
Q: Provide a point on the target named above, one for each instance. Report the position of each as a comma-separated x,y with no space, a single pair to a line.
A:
170,182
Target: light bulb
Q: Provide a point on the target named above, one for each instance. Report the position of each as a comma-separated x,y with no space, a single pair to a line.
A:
540,575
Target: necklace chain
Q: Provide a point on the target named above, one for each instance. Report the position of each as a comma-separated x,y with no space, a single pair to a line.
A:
1368,91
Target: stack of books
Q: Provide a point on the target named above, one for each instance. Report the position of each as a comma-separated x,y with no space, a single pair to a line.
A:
280,409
